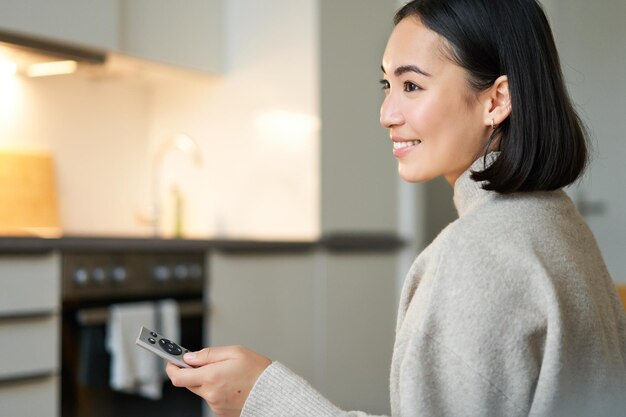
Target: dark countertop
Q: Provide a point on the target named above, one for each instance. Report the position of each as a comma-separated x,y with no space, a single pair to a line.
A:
339,242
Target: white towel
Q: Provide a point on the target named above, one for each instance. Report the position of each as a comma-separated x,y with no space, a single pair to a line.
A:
134,370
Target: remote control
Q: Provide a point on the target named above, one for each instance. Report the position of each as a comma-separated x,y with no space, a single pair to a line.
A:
162,347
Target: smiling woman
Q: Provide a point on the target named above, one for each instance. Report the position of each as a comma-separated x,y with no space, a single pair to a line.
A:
510,311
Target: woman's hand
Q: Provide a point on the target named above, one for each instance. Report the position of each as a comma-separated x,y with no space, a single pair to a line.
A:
223,377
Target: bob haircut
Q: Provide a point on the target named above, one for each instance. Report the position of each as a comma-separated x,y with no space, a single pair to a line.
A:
543,143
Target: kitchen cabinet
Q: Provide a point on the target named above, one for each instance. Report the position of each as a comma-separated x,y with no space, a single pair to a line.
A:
33,347
329,317
88,23
29,329
186,34
36,397
360,322
266,302
30,285
359,179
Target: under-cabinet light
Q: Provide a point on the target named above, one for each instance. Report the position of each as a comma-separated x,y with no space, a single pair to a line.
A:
7,68
44,69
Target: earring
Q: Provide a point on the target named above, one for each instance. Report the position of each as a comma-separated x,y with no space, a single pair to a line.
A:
493,124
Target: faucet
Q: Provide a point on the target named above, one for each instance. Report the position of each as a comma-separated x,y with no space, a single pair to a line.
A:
180,142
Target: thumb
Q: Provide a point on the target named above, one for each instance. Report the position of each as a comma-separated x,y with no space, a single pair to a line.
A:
206,356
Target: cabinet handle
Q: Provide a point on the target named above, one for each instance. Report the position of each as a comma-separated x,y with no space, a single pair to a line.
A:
98,316
27,315
17,378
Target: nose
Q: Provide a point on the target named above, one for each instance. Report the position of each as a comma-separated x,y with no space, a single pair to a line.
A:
390,114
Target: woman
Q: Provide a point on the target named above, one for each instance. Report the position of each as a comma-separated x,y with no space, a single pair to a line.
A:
510,311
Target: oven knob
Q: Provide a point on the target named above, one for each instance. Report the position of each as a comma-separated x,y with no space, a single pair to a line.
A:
81,276
98,274
195,271
181,272
119,274
161,273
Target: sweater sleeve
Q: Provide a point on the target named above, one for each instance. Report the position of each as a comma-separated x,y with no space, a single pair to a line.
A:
280,393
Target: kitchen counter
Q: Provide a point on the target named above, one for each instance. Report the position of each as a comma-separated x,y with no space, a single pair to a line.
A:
344,242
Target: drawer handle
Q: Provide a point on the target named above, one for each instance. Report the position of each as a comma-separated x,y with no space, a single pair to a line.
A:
27,315
99,316
17,378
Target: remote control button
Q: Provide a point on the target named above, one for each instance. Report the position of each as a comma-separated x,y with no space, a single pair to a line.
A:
151,340
170,347
153,334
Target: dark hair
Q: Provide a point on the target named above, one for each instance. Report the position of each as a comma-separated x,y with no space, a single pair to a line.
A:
543,143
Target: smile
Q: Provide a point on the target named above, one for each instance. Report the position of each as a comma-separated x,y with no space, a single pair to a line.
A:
406,144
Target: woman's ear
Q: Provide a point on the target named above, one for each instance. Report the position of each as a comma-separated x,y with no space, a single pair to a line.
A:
497,102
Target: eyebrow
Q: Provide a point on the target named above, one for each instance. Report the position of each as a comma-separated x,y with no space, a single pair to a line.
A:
407,68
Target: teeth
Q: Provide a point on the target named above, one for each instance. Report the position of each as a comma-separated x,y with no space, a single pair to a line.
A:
400,145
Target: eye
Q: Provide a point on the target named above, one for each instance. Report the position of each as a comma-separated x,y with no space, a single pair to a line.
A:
384,84
410,87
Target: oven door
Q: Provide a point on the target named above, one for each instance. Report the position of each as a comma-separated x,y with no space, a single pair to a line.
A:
85,388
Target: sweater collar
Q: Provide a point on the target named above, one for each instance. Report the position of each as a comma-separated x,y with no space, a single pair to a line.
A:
468,193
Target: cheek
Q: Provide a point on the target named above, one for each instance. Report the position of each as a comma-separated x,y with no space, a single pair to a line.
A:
427,117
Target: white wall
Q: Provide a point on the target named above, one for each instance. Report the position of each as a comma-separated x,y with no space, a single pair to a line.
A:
257,125
590,38
96,131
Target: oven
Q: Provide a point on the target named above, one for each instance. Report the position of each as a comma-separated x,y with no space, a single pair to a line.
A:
93,281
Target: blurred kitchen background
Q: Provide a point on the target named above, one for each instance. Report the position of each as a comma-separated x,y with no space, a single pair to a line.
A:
227,154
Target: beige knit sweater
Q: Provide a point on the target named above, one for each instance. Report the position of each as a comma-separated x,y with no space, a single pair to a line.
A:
509,312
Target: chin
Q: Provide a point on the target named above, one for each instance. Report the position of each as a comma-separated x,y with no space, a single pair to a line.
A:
412,176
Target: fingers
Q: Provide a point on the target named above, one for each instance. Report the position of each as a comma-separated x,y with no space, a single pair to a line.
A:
193,377
208,355
184,377
223,376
